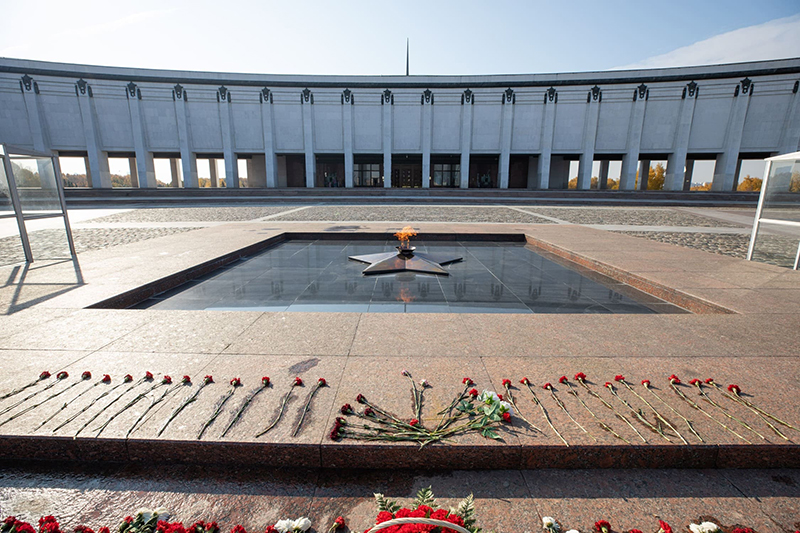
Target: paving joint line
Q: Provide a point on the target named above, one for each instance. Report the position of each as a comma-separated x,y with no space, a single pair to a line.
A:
554,219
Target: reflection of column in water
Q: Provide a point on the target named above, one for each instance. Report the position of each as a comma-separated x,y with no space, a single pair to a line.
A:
614,296
314,287
387,288
497,291
277,288
460,289
350,286
575,294
535,292
423,289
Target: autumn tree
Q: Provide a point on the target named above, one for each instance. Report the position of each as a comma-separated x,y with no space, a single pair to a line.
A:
749,183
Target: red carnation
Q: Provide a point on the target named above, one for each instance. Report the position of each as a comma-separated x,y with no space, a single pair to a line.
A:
695,381
580,376
500,396
265,381
128,519
270,529
298,382
413,422
148,375
166,380
104,529
339,522
467,381
635,531
619,377
547,386
238,529
507,417
439,514
210,379
506,383
23,527
361,399
742,530
646,382
106,378
383,516
321,382
44,375
473,393
734,389
346,409
525,381
674,379
369,412
403,513
563,379
709,381
62,375
127,379
83,529
609,385
665,528
236,382
186,380
602,526
86,375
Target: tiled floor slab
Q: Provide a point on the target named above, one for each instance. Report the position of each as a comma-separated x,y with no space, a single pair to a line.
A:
298,333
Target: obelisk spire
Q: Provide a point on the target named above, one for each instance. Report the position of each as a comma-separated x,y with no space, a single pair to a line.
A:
406,56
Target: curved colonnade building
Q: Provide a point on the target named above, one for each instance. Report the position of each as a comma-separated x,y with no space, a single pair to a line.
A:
509,131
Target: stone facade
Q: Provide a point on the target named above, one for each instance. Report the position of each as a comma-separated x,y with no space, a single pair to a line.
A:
514,131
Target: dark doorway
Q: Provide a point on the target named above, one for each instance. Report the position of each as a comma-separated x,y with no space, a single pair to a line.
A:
483,171
407,171
368,170
445,171
296,170
330,171
518,172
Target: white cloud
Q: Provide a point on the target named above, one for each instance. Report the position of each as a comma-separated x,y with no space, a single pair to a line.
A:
776,39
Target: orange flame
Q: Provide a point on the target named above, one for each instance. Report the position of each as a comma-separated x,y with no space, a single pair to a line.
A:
405,234
405,295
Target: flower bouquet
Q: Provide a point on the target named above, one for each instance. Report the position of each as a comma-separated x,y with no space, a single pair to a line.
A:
424,516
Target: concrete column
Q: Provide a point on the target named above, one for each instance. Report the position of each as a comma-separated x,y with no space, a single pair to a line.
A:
603,177
467,100
145,168
256,171
268,129
559,173
676,162
630,160
387,100
593,100
133,172
505,137
347,127
790,136
188,158
173,168
727,161
88,170
548,126
644,174
687,176
228,143
30,94
307,103
98,160
427,130
212,169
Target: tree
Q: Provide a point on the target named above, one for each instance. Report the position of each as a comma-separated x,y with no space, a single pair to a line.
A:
656,177
703,187
749,184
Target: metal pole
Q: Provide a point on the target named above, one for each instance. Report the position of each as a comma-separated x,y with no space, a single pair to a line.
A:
12,189
761,197
60,187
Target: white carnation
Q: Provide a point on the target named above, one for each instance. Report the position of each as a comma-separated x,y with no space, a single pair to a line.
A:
284,526
488,397
301,524
505,407
573,531
548,522
704,527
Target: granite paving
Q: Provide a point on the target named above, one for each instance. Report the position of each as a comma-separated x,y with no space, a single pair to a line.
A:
413,213
630,216
194,214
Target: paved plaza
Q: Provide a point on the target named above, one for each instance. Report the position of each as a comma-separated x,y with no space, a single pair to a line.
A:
741,328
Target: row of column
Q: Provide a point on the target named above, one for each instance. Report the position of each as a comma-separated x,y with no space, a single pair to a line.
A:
724,177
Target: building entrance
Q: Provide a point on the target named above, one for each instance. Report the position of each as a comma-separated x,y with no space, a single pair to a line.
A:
407,175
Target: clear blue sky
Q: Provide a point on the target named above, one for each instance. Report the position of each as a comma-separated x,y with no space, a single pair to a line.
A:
368,37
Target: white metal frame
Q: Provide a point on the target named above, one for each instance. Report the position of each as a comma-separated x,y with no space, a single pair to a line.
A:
5,153
756,223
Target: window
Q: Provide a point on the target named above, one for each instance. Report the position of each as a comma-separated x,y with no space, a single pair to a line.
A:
367,175
446,175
